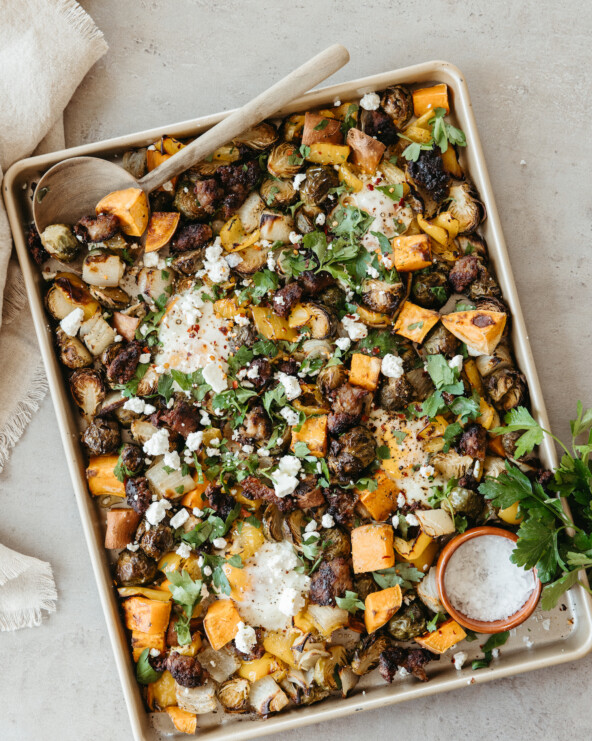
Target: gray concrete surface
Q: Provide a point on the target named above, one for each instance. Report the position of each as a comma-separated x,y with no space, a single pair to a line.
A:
527,65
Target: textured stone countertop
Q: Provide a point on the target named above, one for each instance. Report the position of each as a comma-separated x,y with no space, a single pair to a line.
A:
527,66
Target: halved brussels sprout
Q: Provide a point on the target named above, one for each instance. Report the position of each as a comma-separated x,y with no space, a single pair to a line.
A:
430,289
397,101
408,623
473,244
272,522
73,354
313,349
441,342
234,695
60,242
368,652
306,217
318,318
250,212
284,160
464,205
333,297
110,298
507,388
101,437
381,296
337,544
451,464
355,450
331,378
463,500
188,263
102,269
277,193
395,394
253,259
88,391
258,137
326,668
500,359
186,201
319,181
134,162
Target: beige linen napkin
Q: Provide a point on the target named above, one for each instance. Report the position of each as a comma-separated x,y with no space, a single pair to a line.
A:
46,49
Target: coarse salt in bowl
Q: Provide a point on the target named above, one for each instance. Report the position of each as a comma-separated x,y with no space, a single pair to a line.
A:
478,584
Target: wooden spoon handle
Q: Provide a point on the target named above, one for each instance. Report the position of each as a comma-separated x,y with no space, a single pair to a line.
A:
263,106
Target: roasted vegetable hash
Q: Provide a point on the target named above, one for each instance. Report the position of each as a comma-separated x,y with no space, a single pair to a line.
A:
288,362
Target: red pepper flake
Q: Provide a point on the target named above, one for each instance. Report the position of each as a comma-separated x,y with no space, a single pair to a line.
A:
402,202
370,186
376,350
235,384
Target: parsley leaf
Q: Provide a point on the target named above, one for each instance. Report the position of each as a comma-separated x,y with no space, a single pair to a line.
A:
520,419
350,602
145,674
404,574
444,132
394,192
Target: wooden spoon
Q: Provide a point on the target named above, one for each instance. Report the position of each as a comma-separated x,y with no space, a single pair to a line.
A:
72,188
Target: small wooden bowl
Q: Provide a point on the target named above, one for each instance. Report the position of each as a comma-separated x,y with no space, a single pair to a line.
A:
482,626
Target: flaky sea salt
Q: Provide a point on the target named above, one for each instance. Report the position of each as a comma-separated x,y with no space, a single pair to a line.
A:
482,583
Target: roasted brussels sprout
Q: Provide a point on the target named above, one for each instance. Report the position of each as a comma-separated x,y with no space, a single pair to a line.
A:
157,541
234,695
133,459
243,336
350,454
428,173
257,425
73,354
500,359
102,437
337,544
333,297
313,349
398,103
60,242
319,181
188,263
325,670
134,162
330,378
258,137
408,623
421,382
367,653
381,296
317,317
507,388
272,521
473,244
134,569
465,206
186,201
430,289
395,394
451,464
110,298
305,218
441,342
466,501
277,193
284,161
364,585
88,391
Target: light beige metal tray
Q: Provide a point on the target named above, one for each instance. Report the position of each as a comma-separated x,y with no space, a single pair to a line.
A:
545,639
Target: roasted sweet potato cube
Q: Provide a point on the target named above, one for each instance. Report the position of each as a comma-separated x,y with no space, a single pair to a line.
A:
480,329
381,502
365,371
414,322
445,636
141,641
131,208
100,476
318,128
314,433
184,721
121,525
428,98
146,615
366,151
381,606
412,253
161,228
372,548
221,623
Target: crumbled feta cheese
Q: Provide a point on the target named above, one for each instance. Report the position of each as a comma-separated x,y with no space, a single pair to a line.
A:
290,602
473,351
117,338
456,362
412,520
135,404
343,343
180,518
295,237
154,652
392,366
370,102
291,385
337,103
527,642
205,592
70,324
320,220
279,299
204,418
290,416
158,444
184,549
215,376
495,653
215,265
219,543
262,452
194,440
271,264
248,449
372,271
427,471
144,357
233,260
355,329
157,510
207,570
133,547
400,500
245,639
284,477
298,180
197,512
150,259
241,320
327,520
395,521
172,460
212,452
459,659
253,372
387,261
311,526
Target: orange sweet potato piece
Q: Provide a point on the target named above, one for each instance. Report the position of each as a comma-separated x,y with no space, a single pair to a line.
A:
445,636
131,208
314,433
317,128
414,322
480,329
412,253
126,325
195,497
381,606
366,152
100,476
365,370
221,623
383,500
141,641
121,525
146,615
372,548
182,720
428,98
161,227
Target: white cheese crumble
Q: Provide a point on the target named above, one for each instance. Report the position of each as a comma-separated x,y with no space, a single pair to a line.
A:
215,376
133,547
241,320
290,416
290,602
456,362
197,512
158,444
355,329
412,520
343,343
370,102
311,526
180,518
219,542
207,570
70,324
459,659
400,500
194,440
156,512
144,357
327,520
392,366
427,471
172,460
284,477
215,265
271,263
298,180
150,259
253,371
184,549
372,271
154,652
139,406
320,220
233,260
245,639
291,385
295,237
